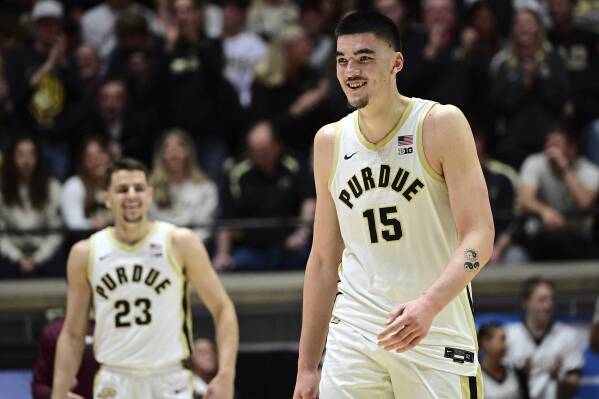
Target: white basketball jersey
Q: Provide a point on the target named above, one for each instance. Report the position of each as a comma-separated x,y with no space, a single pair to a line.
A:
399,233
141,300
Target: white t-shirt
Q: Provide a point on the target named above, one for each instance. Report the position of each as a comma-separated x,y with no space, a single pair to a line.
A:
559,343
72,204
508,388
242,52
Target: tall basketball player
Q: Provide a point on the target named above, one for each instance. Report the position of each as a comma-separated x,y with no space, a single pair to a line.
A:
136,274
402,226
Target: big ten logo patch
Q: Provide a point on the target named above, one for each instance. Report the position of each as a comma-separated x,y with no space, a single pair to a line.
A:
405,150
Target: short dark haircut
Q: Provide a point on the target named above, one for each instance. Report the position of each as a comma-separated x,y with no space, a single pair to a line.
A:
131,24
129,164
487,329
531,284
370,22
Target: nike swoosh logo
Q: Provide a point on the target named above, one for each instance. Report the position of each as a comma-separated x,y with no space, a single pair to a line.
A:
346,157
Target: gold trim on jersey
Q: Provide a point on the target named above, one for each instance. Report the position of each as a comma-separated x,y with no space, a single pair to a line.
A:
420,145
130,248
465,386
91,258
338,131
185,313
388,136
172,260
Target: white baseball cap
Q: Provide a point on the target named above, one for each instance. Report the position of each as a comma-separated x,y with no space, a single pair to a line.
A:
46,9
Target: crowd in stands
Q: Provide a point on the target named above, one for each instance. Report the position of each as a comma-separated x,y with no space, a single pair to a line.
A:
221,99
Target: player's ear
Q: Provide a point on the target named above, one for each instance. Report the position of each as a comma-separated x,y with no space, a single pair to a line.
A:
397,62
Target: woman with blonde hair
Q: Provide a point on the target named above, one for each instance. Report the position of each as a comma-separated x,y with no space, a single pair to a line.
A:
183,193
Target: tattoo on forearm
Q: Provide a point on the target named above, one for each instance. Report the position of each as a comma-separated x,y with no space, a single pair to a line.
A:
471,262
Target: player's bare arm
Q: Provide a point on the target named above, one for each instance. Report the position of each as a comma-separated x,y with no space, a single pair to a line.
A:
71,341
192,256
320,281
450,150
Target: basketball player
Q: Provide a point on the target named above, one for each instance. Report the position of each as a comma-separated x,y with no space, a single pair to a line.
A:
136,273
403,221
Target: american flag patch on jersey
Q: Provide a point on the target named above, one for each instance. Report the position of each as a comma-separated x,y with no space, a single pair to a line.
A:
405,140
156,249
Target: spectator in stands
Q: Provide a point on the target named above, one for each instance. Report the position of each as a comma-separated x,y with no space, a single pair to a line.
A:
29,200
127,132
43,369
194,92
579,50
183,194
499,381
502,183
43,85
589,387
268,17
242,49
204,364
322,56
6,104
269,184
290,92
98,24
82,201
88,64
559,186
545,349
528,86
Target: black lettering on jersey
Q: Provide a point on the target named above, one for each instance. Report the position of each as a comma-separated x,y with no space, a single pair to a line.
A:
100,291
108,282
163,284
355,187
120,273
367,179
345,198
400,179
412,189
384,175
151,277
137,271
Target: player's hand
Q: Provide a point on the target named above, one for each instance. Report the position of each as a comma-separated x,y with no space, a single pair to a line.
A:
407,325
306,385
221,387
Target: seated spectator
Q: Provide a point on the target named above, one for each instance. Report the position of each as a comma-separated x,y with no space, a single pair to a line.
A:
88,63
546,350
204,365
289,92
98,24
499,381
29,200
528,82
82,201
269,184
502,184
560,187
322,56
589,387
183,194
43,369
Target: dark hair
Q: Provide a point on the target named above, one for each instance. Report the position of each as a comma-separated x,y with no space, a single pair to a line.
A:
129,164
370,22
89,202
38,185
531,283
566,129
131,24
240,4
487,330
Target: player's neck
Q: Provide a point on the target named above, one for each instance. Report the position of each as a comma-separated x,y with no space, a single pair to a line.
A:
537,329
492,365
377,119
131,233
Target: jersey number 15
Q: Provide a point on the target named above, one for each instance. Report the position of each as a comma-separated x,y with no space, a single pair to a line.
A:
392,232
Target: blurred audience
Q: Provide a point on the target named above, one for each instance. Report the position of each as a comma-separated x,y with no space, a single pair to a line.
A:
545,350
499,381
29,200
270,183
243,49
43,369
82,201
204,365
290,92
267,18
589,387
527,89
183,194
560,187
